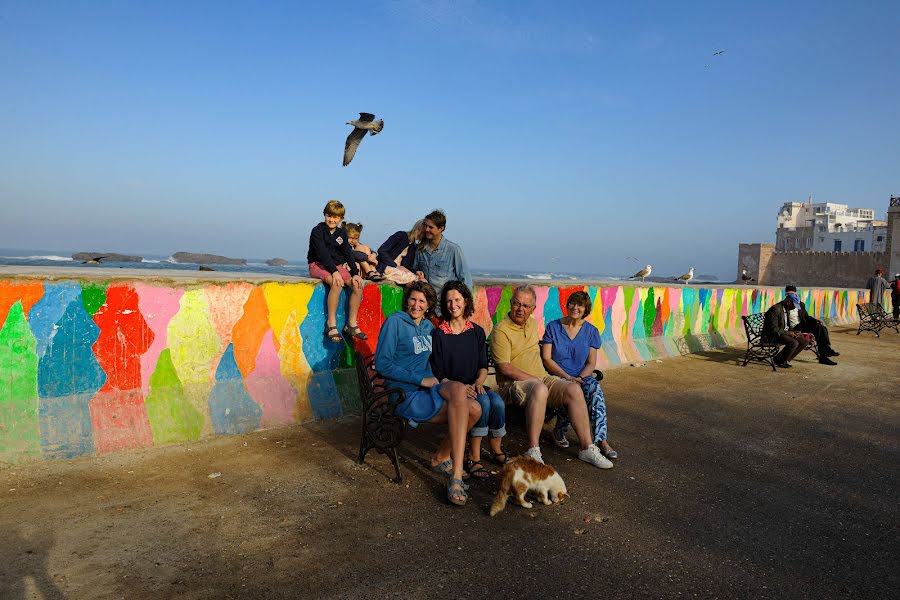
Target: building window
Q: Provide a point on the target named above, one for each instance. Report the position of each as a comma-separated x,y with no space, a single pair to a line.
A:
837,245
809,242
879,238
859,245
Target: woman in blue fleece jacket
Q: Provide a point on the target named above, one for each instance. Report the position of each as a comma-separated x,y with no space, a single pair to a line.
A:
402,358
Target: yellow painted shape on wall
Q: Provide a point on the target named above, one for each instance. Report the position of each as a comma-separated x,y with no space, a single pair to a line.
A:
194,346
294,366
284,300
597,313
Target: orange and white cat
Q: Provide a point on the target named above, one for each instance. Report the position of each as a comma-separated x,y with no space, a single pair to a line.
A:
524,474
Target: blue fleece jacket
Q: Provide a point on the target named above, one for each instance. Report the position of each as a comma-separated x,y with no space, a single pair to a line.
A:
403,351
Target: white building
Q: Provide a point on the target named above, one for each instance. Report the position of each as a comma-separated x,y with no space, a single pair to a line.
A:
828,227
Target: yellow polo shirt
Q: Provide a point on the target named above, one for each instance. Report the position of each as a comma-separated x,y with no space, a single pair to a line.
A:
511,343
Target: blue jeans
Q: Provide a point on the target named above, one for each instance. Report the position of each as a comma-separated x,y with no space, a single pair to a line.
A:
596,404
493,416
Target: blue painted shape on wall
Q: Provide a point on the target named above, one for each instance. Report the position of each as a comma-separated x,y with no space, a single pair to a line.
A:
66,426
552,309
608,342
49,310
68,365
320,353
324,398
638,330
231,408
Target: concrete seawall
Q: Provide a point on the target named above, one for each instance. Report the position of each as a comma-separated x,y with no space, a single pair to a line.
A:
94,361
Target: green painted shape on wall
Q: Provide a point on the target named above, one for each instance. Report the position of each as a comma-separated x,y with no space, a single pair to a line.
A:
20,432
391,299
93,296
649,313
348,389
502,306
171,415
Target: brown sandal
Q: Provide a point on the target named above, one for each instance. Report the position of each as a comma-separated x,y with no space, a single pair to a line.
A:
476,470
500,458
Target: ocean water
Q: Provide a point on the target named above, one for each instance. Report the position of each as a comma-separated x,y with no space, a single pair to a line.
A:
62,259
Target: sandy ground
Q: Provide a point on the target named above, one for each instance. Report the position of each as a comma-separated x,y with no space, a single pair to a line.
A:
732,482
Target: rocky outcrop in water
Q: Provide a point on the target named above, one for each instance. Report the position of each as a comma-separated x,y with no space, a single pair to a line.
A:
211,259
105,256
277,262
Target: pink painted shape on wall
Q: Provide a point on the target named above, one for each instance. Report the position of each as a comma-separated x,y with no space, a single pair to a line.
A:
493,298
226,305
119,421
158,305
269,388
542,292
482,315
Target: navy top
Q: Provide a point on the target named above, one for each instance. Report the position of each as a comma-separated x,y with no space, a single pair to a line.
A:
392,248
571,355
330,248
459,356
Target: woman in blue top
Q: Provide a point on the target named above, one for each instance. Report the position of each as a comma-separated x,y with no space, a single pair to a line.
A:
402,358
569,350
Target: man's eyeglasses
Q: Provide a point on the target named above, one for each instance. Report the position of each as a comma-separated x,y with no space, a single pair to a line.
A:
515,304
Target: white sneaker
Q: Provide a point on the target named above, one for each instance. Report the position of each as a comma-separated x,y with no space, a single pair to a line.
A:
535,453
559,437
592,455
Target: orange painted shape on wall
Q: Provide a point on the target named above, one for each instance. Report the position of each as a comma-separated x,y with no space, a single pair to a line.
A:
119,420
124,337
249,331
10,293
482,316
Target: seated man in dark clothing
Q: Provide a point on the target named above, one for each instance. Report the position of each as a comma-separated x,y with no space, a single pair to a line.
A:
808,324
775,329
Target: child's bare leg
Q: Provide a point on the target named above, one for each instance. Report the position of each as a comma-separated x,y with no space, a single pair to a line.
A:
334,298
495,444
355,300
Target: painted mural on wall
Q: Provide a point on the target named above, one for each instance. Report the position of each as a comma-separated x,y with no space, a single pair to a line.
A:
89,367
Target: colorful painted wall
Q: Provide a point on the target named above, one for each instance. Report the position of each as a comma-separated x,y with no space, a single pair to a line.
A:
92,367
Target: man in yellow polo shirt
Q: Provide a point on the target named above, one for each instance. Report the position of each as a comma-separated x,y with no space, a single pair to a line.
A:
524,382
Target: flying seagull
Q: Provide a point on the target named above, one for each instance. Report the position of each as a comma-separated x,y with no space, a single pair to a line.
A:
719,53
361,126
686,278
642,273
746,278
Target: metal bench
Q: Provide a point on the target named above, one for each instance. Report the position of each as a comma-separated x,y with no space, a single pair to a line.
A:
760,349
873,317
382,430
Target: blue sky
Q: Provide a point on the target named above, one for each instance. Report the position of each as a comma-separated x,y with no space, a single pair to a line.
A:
556,136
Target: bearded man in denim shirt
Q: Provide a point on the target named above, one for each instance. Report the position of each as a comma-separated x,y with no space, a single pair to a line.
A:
438,260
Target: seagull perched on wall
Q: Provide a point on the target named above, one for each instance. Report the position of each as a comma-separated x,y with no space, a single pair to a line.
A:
746,278
365,124
686,278
642,273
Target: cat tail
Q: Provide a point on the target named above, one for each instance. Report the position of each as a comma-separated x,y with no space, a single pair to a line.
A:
502,496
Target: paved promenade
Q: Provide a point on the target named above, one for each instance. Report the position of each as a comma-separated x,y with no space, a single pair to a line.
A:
733,482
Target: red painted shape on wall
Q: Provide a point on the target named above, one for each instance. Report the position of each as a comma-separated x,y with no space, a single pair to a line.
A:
565,292
10,293
370,319
119,421
124,336
658,321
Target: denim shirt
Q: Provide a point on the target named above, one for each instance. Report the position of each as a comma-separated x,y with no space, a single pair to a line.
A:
444,264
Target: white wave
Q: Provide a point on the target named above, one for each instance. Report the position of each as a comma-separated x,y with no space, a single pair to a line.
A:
538,275
47,257
148,260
